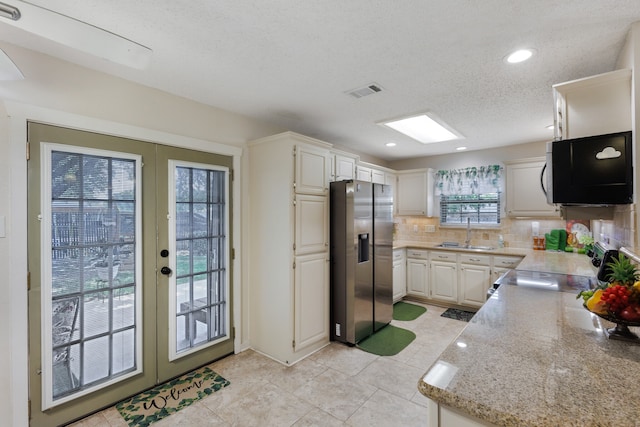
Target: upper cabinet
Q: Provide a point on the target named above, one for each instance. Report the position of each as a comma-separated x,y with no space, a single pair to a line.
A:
343,166
415,192
594,105
312,170
524,191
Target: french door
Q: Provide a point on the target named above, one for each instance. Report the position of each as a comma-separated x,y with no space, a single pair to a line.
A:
129,267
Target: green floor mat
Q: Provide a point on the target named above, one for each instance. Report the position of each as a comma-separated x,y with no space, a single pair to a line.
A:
404,311
387,341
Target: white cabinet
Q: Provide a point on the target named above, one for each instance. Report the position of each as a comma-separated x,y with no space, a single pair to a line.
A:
593,105
444,276
475,279
312,224
524,195
313,169
311,300
377,176
502,264
415,192
288,255
363,173
418,273
344,167
399,274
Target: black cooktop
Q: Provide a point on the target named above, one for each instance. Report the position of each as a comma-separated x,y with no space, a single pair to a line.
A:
547,281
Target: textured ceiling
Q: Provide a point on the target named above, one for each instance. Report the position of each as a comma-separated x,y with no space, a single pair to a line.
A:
290,62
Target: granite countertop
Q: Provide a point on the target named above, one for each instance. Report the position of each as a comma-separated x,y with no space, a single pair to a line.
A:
496,251
538,358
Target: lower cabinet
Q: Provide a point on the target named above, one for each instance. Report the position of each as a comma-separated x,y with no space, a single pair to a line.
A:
475,279
399,274
311,295
444,276
418,273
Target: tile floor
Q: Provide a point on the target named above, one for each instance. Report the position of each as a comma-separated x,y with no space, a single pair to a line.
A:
336,386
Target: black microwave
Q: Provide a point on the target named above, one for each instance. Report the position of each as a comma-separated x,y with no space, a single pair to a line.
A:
593,170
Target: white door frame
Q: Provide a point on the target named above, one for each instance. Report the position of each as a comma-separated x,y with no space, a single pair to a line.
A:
19,114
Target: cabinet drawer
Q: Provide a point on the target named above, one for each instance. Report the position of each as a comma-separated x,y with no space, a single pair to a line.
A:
417,253
398,254
443,256
506,261
475,259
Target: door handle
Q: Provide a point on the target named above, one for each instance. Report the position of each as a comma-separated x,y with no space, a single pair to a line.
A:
165,270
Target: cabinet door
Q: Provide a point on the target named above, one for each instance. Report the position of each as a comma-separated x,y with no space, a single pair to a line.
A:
311,296
399,279
524,194
475,280
312,224
444,281
497,272
412,193
417,277
377,177
312,170
363,173
345,168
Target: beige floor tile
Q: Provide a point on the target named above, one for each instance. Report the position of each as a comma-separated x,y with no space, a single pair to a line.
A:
384,409
317,417
336,393
338,385
346,359
392,376
266,406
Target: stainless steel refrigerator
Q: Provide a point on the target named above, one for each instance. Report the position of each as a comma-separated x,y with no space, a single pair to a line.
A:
361,259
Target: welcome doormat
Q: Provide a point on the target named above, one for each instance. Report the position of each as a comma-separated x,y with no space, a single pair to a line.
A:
161,401
388,341
407,312
454,313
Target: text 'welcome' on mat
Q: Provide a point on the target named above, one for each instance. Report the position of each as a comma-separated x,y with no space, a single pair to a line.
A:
165,399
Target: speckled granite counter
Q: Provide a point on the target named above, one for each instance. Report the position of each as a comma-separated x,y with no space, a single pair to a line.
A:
538,358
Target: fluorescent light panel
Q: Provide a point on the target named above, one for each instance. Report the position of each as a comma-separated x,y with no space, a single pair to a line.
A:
79,35
423,128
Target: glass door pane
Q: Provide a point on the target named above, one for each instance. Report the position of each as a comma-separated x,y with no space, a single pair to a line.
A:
200,286
92,293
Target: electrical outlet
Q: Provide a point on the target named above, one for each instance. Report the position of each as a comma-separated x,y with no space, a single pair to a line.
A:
415,228
430,228
337,329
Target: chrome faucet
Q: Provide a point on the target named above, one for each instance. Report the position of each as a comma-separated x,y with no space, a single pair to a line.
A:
468,241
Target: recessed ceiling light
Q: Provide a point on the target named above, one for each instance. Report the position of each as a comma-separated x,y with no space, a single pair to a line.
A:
390,144
461,148
550,127
423,127
519,56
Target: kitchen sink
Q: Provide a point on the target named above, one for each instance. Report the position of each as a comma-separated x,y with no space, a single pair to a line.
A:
455,245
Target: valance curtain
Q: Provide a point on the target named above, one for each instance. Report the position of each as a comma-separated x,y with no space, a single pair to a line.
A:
472,180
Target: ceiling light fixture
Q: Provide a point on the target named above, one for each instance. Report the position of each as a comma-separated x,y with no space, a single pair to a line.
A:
550,127
390,144
519,56
424,127
76,34
10,12
461,148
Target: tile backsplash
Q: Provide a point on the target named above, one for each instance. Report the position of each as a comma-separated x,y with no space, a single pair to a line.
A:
517,232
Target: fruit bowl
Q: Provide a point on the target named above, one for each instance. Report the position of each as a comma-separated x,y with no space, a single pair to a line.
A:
621,331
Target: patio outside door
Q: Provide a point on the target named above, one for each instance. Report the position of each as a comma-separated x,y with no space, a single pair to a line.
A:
129,268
